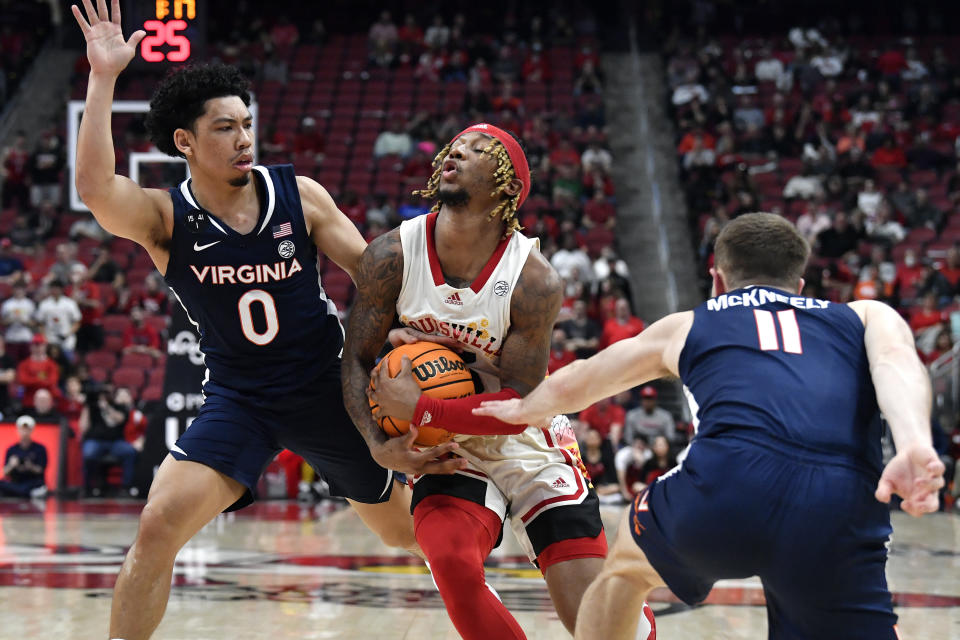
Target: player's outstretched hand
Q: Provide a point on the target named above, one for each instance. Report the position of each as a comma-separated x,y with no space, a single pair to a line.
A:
107,51
398,454
514,411
916,475
406,335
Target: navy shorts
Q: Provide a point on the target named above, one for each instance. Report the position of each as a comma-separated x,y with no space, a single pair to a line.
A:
239,438
811,530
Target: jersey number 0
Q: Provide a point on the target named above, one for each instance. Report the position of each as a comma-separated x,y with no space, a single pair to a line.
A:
269,312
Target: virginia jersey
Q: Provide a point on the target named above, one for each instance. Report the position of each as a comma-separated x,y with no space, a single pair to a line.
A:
478,316
266,327
771,366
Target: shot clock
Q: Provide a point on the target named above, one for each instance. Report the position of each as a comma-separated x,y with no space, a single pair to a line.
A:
176,30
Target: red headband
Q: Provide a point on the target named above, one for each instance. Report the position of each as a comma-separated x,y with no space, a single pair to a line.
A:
517,158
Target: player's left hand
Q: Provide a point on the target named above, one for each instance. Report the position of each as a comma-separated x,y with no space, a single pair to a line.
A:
406,335
514,411
916,475
397,396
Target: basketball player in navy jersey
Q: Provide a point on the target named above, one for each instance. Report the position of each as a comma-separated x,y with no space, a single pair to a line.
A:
784,478
465,272
238,245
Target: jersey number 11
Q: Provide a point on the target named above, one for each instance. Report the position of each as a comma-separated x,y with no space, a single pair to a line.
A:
767,330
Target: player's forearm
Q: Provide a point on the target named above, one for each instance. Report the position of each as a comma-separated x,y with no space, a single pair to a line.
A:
356,379
903,394
96,163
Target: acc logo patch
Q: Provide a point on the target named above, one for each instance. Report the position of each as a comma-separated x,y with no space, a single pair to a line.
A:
501,288
286,249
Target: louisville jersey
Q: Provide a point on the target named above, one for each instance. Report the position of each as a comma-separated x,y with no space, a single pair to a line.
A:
477,316
782,369
267,329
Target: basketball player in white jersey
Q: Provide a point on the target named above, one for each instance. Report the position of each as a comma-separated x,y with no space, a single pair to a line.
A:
465,273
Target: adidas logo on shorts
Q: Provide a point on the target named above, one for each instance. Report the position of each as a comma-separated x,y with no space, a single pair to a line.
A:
454,299
560,483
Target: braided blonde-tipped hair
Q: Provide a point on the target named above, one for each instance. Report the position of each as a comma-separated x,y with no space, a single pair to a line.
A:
504,173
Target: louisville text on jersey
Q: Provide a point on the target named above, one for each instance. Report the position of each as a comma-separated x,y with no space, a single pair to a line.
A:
461,333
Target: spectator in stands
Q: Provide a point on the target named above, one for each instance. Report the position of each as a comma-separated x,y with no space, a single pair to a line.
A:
140,337
889,156
25,464
23,237
44,410
71,403
46,163
61,269
839,239
925,213
135,428
437,34
121,299
154,298
662,460
284,34
102,424
884,228
476,101
606,416
308,140
571,261
621,326
561,353
104,268
596,157
599,212
942,345
16,314
8,373
382,40
11,267
609,265
583,334
648,420
597,456
932,281
768,67
927,315
869,286
855,167
36,372
904,200
409,40
805,185
630,462
13,170
87,296
60,317
393,141
699,155
812,221
588,80
747,113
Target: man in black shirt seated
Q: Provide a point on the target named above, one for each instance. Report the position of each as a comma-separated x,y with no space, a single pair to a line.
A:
24,464
102,425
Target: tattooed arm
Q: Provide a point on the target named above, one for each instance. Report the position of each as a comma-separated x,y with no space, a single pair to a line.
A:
533,312
379,278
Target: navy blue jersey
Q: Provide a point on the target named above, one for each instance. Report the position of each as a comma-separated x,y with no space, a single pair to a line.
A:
266,327
771,366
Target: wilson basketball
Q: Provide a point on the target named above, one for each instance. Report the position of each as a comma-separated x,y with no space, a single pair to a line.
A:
440,372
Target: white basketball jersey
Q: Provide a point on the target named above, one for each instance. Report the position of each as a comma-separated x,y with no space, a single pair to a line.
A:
478,316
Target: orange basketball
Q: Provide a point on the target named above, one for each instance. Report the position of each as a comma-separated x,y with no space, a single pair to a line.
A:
440,372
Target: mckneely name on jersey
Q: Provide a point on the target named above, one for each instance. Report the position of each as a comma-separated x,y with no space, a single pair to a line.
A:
760,297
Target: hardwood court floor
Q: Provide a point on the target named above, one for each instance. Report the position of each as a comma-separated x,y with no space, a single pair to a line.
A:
278,570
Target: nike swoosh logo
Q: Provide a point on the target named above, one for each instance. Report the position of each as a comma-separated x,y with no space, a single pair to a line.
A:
178,450
200,247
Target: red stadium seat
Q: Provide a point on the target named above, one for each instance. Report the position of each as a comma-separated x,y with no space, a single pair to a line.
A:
142,361
128,377
103,359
